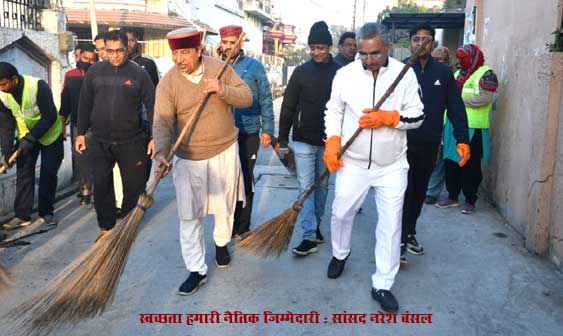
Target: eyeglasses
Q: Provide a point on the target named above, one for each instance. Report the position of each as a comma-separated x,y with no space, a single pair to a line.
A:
364,55
420,39
115,51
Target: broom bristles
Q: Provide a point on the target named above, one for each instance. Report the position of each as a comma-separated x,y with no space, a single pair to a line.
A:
86,287
271,238
6,279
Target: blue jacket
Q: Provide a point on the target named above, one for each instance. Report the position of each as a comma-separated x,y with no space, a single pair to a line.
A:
260,115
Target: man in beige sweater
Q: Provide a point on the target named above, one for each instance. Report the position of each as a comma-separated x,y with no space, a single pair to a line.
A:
207,173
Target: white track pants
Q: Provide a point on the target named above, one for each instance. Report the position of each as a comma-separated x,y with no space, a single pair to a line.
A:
351,188
192,240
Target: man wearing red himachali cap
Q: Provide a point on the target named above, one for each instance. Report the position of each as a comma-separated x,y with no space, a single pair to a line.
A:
207,173
250,121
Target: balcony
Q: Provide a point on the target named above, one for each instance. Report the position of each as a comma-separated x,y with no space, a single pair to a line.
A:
259,8
22,14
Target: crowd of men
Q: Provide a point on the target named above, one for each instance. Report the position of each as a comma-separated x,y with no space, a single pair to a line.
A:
432,130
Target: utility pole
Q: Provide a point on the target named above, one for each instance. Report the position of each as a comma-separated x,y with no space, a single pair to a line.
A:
364,12
93,22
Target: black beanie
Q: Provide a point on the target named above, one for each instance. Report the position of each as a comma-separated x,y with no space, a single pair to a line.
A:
319,34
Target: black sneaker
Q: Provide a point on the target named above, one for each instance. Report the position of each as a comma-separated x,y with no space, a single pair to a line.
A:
404,254
413,246
386,299
320,239
222,256
118,213
336,267
192,283
430,200
306,247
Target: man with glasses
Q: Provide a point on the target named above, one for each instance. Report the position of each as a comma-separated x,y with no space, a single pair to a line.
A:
302,109
376,159
111,100
438,93
346,49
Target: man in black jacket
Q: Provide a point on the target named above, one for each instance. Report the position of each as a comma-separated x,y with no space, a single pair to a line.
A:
303,109
438,92
111,100
135,55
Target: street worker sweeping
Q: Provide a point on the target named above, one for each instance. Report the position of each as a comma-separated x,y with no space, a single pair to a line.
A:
26,105
207,171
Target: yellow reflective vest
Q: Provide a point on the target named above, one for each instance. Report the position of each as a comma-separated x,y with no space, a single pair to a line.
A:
477,117
27,114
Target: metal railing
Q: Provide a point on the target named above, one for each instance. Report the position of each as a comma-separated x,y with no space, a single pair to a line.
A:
22,14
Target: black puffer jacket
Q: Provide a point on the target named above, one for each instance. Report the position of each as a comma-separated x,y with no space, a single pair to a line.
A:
304,102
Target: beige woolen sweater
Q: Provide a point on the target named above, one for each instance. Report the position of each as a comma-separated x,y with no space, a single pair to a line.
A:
176,101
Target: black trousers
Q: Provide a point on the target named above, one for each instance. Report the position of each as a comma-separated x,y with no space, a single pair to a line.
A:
421,158
469,177
248,148
82,167
51,158
131,158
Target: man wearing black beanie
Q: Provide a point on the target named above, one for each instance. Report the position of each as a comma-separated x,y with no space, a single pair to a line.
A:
303,109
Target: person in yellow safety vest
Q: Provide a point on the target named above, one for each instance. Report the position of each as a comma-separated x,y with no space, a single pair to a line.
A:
477,83
26,105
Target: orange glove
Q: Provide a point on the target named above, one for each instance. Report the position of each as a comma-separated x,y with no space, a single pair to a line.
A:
377,119
63,121
464,152
330,157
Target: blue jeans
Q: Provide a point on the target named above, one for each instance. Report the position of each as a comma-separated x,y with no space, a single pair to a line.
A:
310,166
438,178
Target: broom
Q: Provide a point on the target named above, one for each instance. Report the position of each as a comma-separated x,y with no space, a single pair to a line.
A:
6,279
86,287
272,238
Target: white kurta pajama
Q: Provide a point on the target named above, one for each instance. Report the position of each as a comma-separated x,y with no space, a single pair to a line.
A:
206,187
206,170
376,159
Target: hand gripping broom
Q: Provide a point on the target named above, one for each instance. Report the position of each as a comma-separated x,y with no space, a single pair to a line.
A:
86,287
272,238
5,276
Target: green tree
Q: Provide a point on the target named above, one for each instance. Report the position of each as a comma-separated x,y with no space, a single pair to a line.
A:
406,6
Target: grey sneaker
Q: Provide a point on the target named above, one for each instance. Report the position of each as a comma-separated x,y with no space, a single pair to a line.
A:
16,223
447,203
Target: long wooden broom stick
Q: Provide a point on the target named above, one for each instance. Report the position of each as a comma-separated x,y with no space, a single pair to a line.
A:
6,279
272,237
86,287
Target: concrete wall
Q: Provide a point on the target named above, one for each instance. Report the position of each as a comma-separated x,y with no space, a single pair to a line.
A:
47,43
514,40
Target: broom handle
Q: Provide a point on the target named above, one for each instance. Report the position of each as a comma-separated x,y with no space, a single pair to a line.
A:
390,90
189,128
11,160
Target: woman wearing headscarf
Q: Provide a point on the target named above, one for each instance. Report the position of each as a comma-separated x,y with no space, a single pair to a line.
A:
477,83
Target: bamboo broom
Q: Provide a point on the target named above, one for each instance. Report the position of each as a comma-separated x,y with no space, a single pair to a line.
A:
272,238
6,279
86,287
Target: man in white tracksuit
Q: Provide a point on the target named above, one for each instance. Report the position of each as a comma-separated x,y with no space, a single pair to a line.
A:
377,158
